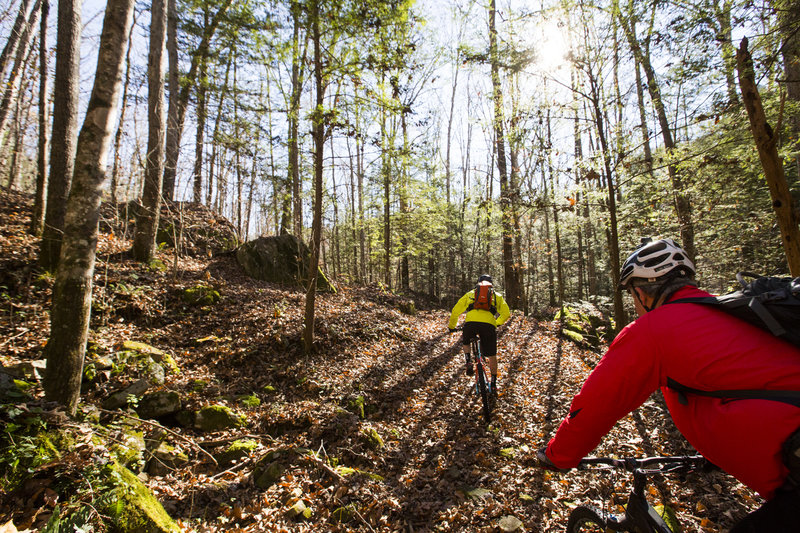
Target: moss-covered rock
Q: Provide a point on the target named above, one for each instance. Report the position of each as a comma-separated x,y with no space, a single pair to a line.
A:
236,451
200,295
217,417
135,509
159,404
280,259
372,438
165,459
266,474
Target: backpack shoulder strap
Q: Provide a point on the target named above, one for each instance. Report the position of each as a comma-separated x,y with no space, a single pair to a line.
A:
791,397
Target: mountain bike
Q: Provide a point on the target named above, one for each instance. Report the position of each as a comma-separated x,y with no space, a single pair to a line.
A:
640,516
482,385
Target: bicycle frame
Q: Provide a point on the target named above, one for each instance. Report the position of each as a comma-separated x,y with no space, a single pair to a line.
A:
640,515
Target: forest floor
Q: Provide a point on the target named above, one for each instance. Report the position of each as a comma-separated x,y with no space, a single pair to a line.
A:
440,466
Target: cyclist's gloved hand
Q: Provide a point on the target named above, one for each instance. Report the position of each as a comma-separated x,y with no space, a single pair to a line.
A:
546,463
452,330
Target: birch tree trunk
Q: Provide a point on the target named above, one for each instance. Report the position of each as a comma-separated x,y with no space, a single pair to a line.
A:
72,294
65,129
144,242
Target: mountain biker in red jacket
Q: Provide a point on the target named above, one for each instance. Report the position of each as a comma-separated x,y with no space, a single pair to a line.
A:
702,348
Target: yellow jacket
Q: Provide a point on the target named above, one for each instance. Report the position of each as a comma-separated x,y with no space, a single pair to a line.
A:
480,315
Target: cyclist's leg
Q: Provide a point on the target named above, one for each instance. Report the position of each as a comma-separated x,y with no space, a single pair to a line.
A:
781,513
468,333
488,336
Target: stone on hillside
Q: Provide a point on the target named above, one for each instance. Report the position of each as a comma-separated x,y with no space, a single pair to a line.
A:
217,417
159,356
121,398
280,259
266,475
238,450
158,404
510,523
33,369
299,511
165,459
200,295
135,509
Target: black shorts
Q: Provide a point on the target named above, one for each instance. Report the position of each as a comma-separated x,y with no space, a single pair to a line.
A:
487,333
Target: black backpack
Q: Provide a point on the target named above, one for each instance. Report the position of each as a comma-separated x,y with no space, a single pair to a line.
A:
771,303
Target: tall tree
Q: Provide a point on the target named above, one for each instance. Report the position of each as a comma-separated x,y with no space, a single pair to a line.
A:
683,206
66,85
318,133
766,141
37,218
509,267
179,96
144,242
72,294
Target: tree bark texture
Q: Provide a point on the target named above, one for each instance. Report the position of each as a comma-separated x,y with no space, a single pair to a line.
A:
72,295
509,270
319,146
177,104
766,141
144,242
37,217
10,49
65,129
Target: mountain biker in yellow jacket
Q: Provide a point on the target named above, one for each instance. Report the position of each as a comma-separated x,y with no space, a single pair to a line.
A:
481,323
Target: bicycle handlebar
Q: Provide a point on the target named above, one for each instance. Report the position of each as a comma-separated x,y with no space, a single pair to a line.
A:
635,463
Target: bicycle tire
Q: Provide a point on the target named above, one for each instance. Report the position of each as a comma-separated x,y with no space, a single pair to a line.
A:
484,392
586,519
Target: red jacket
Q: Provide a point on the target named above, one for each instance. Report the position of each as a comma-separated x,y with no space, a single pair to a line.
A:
703,348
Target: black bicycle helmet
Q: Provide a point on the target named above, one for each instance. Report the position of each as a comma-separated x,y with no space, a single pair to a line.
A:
655,259
485,277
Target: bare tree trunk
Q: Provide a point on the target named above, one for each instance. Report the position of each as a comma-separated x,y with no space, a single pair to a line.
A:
510,272
20,60
294,120
121,127
177,106
215,137
21,116
202,87
683,207
766,142
72,294
723,15
319,147
65,129
144,242
10,49
37,218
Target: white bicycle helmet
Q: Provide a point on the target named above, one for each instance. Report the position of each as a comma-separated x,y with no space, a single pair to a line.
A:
655,259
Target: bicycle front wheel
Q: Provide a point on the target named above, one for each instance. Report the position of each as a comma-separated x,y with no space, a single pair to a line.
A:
585,519
484,392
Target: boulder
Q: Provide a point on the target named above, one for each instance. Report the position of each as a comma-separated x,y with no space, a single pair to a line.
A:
135,508
281,259
159,404
217,417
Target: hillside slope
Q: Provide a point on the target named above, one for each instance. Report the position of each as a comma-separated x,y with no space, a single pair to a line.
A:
377,430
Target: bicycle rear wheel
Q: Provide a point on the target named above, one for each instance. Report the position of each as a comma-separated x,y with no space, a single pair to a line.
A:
585,519
484,391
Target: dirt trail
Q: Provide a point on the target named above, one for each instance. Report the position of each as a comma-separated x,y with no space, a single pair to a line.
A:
439,468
